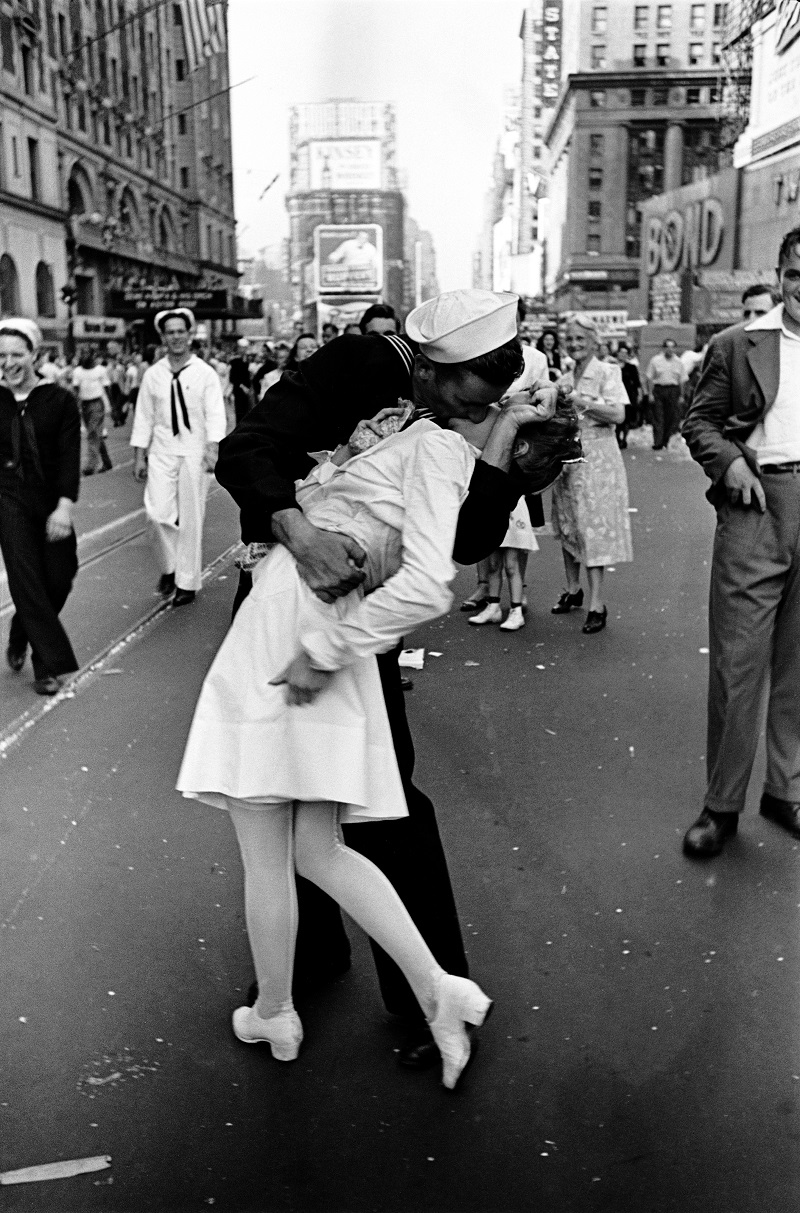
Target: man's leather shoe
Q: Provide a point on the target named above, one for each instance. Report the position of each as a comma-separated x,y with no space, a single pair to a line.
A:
166,584
784,813
418,1051
183,598
709,834
47,686
15,658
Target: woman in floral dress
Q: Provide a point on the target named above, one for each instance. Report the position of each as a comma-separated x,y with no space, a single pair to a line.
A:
590,500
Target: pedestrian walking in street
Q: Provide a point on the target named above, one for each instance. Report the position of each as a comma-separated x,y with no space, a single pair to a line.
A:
40,463
133,377
519,541
743,428
180,420
590,501
90,383
115,374
270,376
240,379
548,345
666,376
633,387
317,407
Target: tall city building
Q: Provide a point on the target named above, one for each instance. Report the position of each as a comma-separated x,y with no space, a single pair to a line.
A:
346,211
637,114
116,184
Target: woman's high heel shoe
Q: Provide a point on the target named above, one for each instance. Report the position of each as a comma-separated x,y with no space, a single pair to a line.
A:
458,1002
566,602
282,1032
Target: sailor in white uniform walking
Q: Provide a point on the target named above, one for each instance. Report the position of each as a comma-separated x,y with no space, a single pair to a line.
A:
179,423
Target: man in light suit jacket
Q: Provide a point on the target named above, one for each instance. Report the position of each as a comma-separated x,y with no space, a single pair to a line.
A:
743,427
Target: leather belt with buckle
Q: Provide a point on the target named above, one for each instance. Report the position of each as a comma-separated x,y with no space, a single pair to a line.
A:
772,468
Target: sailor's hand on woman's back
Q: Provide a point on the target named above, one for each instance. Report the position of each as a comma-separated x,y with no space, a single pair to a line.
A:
329,563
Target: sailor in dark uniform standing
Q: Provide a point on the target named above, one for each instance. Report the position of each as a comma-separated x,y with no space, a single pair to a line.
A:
468,354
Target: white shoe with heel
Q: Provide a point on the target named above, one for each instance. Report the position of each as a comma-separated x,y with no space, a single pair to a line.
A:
282,1032
459,1002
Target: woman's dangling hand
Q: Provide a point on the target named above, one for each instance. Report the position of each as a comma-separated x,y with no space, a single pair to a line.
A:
303,683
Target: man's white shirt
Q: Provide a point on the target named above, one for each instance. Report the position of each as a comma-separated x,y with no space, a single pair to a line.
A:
776,438
205,407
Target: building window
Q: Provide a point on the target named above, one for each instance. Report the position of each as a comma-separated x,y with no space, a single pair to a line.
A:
33,163
660,96
720,15
81,117
641,17
62,36
181,124
693,96
9,287
662,54
209,252
697,18
596,145
598,56
15,155
597,99
184,178
695,53
716,54
638,97
45,294
180,70
7,39
701,152
593,242
714,95
640,55
599,19
645,178
177,15
595,178
27,70
664,17
595,208
107,132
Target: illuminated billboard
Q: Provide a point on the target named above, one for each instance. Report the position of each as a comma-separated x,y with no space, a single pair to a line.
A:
345,164
349,259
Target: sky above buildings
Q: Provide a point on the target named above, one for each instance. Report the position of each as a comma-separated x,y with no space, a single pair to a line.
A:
444,63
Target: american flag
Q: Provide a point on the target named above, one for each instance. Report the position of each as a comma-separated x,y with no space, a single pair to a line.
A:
203,31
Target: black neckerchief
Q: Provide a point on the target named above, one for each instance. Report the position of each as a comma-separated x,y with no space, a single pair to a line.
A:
177,391
24,434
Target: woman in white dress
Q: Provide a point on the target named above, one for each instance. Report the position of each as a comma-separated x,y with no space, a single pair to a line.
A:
590,501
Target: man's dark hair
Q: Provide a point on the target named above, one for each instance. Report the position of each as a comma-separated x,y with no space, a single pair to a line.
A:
378,311
760,288
175,316
499,367
328,327
789,243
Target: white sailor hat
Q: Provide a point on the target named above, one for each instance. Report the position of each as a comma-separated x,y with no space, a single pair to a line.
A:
169,312
460,325
28,328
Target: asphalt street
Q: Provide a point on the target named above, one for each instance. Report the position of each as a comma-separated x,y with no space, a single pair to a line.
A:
643,1055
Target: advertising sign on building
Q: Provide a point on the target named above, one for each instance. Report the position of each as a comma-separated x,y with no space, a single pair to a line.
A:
345,164
349,259
98,328
139,300
775,101
551,52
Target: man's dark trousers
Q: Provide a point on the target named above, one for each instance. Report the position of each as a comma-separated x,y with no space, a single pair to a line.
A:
40,576
666,413
409,852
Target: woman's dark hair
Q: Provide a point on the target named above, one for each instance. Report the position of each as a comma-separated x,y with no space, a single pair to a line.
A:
378,311
548,333
499,367
6,332
543,448
291,362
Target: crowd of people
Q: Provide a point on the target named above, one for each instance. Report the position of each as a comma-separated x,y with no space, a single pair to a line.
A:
431,447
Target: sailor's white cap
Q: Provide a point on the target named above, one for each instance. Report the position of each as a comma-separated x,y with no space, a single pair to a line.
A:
460,325
169,312
21,324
